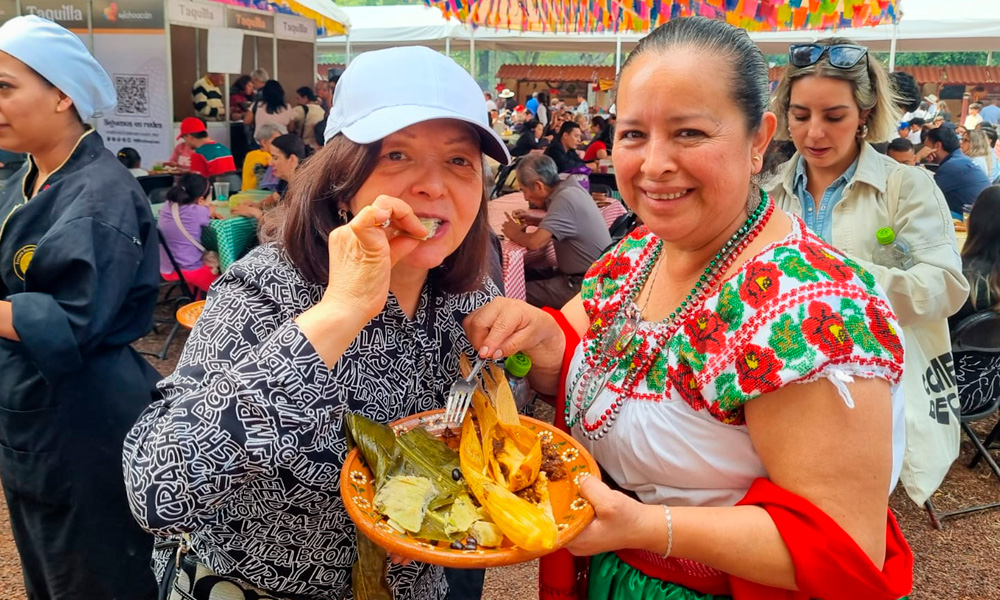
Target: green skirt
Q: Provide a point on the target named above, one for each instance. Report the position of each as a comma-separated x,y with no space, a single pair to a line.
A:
612,579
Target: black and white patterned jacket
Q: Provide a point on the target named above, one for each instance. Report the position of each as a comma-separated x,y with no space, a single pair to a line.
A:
244,451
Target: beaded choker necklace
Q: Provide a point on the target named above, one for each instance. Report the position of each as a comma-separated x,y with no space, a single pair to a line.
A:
616,344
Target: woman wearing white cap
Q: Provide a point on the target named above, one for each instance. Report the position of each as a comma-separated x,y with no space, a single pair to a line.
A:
78,282
347,308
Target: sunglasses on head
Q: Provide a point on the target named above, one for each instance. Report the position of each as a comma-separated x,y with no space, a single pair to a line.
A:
841,56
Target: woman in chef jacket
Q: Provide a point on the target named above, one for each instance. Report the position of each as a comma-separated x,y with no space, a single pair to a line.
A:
79,274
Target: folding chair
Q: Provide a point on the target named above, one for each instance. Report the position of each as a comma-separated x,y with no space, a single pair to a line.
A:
187,294
503,174
976,347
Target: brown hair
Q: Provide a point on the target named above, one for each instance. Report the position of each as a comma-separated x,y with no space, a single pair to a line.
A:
982,249
326,183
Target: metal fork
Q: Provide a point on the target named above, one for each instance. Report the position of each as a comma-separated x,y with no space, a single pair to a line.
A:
460,395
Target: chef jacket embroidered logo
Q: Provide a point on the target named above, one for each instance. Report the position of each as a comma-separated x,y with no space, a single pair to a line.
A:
22,259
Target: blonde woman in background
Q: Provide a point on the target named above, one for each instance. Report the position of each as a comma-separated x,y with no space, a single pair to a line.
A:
833,101
976,145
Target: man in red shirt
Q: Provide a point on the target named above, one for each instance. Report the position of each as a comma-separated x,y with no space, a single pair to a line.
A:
210,158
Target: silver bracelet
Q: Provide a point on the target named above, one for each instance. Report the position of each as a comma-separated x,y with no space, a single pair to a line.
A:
670,531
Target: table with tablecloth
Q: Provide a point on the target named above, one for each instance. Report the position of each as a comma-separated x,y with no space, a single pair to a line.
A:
231,237
516,256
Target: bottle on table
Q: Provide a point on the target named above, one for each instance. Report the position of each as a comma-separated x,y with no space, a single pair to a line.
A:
891,251
517,366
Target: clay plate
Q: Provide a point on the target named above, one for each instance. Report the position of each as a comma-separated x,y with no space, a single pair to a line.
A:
572,512
188,314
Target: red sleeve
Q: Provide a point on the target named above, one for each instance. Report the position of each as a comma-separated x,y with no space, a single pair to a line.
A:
557,572
199,164
572,341
828,563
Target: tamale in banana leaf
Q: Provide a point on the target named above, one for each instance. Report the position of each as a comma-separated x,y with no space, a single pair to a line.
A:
376,443
427,456
368,574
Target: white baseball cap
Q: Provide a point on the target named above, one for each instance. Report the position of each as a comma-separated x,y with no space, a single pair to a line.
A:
384,91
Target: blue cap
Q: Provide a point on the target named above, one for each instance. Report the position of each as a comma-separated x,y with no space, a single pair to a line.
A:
59,56
904,125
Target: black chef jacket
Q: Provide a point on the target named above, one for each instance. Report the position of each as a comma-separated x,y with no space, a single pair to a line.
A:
79,262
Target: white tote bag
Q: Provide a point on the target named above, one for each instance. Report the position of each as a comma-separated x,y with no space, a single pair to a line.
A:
933,432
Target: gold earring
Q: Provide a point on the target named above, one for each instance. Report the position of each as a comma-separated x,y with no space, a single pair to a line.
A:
756,157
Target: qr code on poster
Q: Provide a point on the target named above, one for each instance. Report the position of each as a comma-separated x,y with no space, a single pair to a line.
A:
133,95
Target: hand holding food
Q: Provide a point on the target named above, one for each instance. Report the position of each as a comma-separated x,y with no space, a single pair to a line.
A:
363,252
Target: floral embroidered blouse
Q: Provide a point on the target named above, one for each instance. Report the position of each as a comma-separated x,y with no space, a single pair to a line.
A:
796,312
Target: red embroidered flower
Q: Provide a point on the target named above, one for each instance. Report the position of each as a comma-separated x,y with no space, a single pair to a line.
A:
683,380
761,283
825,328
821,258
884,331
706,331
758,369
610,266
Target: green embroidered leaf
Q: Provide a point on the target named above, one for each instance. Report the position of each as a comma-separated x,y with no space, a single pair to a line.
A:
728,395
787,340
730,307
864,275
796,267
629,244
656,378
681,346
858,330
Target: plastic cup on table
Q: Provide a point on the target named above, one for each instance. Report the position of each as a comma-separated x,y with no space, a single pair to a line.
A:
221,190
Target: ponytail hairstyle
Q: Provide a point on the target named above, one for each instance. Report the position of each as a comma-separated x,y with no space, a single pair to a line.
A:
189,189
129,157
291,145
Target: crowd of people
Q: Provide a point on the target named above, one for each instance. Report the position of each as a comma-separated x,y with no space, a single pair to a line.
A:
735,364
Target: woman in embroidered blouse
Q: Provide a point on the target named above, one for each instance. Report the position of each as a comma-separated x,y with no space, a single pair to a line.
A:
693,330
347,309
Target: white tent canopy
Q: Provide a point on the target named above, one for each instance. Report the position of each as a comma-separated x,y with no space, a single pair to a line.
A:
926,26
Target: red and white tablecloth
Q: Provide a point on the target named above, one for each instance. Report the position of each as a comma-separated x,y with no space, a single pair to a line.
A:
516,256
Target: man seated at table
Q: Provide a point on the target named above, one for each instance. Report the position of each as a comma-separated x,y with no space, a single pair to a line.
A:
960,179
562,150
572,222
901,150
210,158
257,172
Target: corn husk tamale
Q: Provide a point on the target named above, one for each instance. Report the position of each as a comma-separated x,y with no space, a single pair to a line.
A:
525,524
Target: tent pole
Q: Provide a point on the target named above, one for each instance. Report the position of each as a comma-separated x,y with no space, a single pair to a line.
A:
989,58
347,51
892,47
618,53
472,53
447,46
